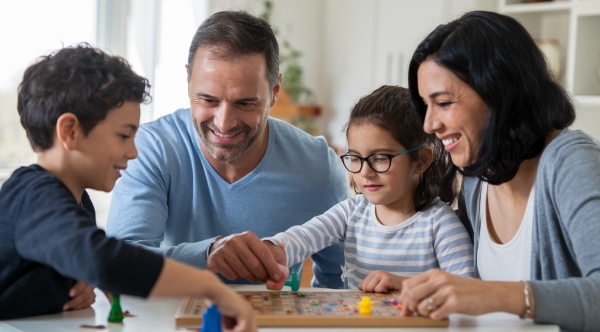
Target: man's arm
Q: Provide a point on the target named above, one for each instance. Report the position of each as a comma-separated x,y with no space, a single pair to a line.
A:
140,203
327,262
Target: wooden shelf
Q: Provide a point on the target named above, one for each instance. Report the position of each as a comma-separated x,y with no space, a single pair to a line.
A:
285,109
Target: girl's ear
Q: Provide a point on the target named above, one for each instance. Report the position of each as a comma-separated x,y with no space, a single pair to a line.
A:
68,131
425,159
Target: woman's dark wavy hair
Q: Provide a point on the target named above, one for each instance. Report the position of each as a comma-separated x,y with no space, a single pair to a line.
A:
497,57
81,80
390,109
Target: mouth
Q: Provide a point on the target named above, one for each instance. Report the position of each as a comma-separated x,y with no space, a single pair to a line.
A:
448,141
372,187
222,135
119,169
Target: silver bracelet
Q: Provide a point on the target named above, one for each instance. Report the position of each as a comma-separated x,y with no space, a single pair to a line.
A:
527,302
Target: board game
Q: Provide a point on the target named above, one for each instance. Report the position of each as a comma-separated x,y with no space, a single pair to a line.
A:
313,309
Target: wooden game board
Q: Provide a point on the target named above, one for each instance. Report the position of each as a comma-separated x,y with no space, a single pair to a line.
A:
312,309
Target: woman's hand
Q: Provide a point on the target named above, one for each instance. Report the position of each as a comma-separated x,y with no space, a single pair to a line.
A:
381,282
438,294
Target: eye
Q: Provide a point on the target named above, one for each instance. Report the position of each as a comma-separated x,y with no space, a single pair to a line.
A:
245,104
124,137
379,158
353,159
445,104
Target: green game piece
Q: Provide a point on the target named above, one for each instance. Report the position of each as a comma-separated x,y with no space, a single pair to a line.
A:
116,313
294,283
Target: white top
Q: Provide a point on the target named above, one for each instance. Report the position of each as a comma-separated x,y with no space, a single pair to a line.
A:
434,238
510,261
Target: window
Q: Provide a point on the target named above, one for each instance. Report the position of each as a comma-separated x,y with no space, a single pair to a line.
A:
29,31
153,35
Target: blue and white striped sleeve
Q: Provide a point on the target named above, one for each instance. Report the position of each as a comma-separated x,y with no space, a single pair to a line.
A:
320,232
452,243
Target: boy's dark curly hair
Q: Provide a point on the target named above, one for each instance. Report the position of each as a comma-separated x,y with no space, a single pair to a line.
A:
81,80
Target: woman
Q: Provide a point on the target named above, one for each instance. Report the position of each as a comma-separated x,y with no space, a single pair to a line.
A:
531,188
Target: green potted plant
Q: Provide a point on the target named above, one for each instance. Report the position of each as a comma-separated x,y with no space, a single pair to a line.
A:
296,102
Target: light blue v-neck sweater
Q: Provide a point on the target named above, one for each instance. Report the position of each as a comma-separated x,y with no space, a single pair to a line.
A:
172,201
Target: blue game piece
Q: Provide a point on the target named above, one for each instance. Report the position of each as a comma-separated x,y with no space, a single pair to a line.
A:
211,320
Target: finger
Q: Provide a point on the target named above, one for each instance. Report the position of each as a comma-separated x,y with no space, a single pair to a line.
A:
414,290
428,305
382,286
225,260
266,261
364,285
77,288
278,285
234,269
83,300
247,254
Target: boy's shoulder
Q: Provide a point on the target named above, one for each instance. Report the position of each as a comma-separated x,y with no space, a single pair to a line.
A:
25,176
31,185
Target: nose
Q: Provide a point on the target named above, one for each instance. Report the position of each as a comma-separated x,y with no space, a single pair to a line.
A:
224,117
132,152
431,123
366,170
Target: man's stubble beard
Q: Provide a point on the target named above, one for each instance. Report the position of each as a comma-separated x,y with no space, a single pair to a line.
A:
229,152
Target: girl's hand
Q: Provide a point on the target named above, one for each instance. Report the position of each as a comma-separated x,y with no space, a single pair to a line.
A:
381,282
236,312
438,294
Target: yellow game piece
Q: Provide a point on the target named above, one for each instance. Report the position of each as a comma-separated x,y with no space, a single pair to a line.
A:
364,306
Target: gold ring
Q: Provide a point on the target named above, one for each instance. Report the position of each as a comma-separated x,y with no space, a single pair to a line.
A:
430,305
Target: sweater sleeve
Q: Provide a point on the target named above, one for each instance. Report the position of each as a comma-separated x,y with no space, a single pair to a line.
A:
452,243
139,207
61,234
318,233
570,229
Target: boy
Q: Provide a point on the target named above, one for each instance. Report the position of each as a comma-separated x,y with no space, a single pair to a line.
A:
80,108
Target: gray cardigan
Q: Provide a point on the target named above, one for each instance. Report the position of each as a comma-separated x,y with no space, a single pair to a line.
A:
565,253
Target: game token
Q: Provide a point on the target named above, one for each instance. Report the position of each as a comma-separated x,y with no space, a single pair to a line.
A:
116,313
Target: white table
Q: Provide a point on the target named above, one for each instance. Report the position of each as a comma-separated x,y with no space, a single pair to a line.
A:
157,314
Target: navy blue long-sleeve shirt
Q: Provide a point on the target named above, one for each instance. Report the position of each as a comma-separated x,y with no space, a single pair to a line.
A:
48,242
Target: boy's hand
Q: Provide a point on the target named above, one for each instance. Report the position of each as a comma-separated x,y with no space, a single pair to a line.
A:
381,282
82,296
236,312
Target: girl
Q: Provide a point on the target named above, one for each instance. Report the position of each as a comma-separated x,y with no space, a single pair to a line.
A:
400,223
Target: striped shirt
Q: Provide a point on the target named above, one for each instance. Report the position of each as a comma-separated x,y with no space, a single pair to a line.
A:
434,238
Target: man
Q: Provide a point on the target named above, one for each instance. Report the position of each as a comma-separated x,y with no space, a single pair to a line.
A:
207,174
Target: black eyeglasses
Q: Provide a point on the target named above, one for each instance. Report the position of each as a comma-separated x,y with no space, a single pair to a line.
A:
378,162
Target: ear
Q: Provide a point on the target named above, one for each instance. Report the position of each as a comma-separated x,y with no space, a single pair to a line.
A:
425,159
68,131
275,91
187,71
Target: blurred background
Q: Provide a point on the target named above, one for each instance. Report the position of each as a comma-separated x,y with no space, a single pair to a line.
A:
333,52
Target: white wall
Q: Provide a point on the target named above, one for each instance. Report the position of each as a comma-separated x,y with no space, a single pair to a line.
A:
345,43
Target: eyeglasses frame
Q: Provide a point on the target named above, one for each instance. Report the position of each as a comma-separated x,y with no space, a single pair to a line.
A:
363,159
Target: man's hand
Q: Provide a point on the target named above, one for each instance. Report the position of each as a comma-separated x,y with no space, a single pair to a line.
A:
244,256
82,296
